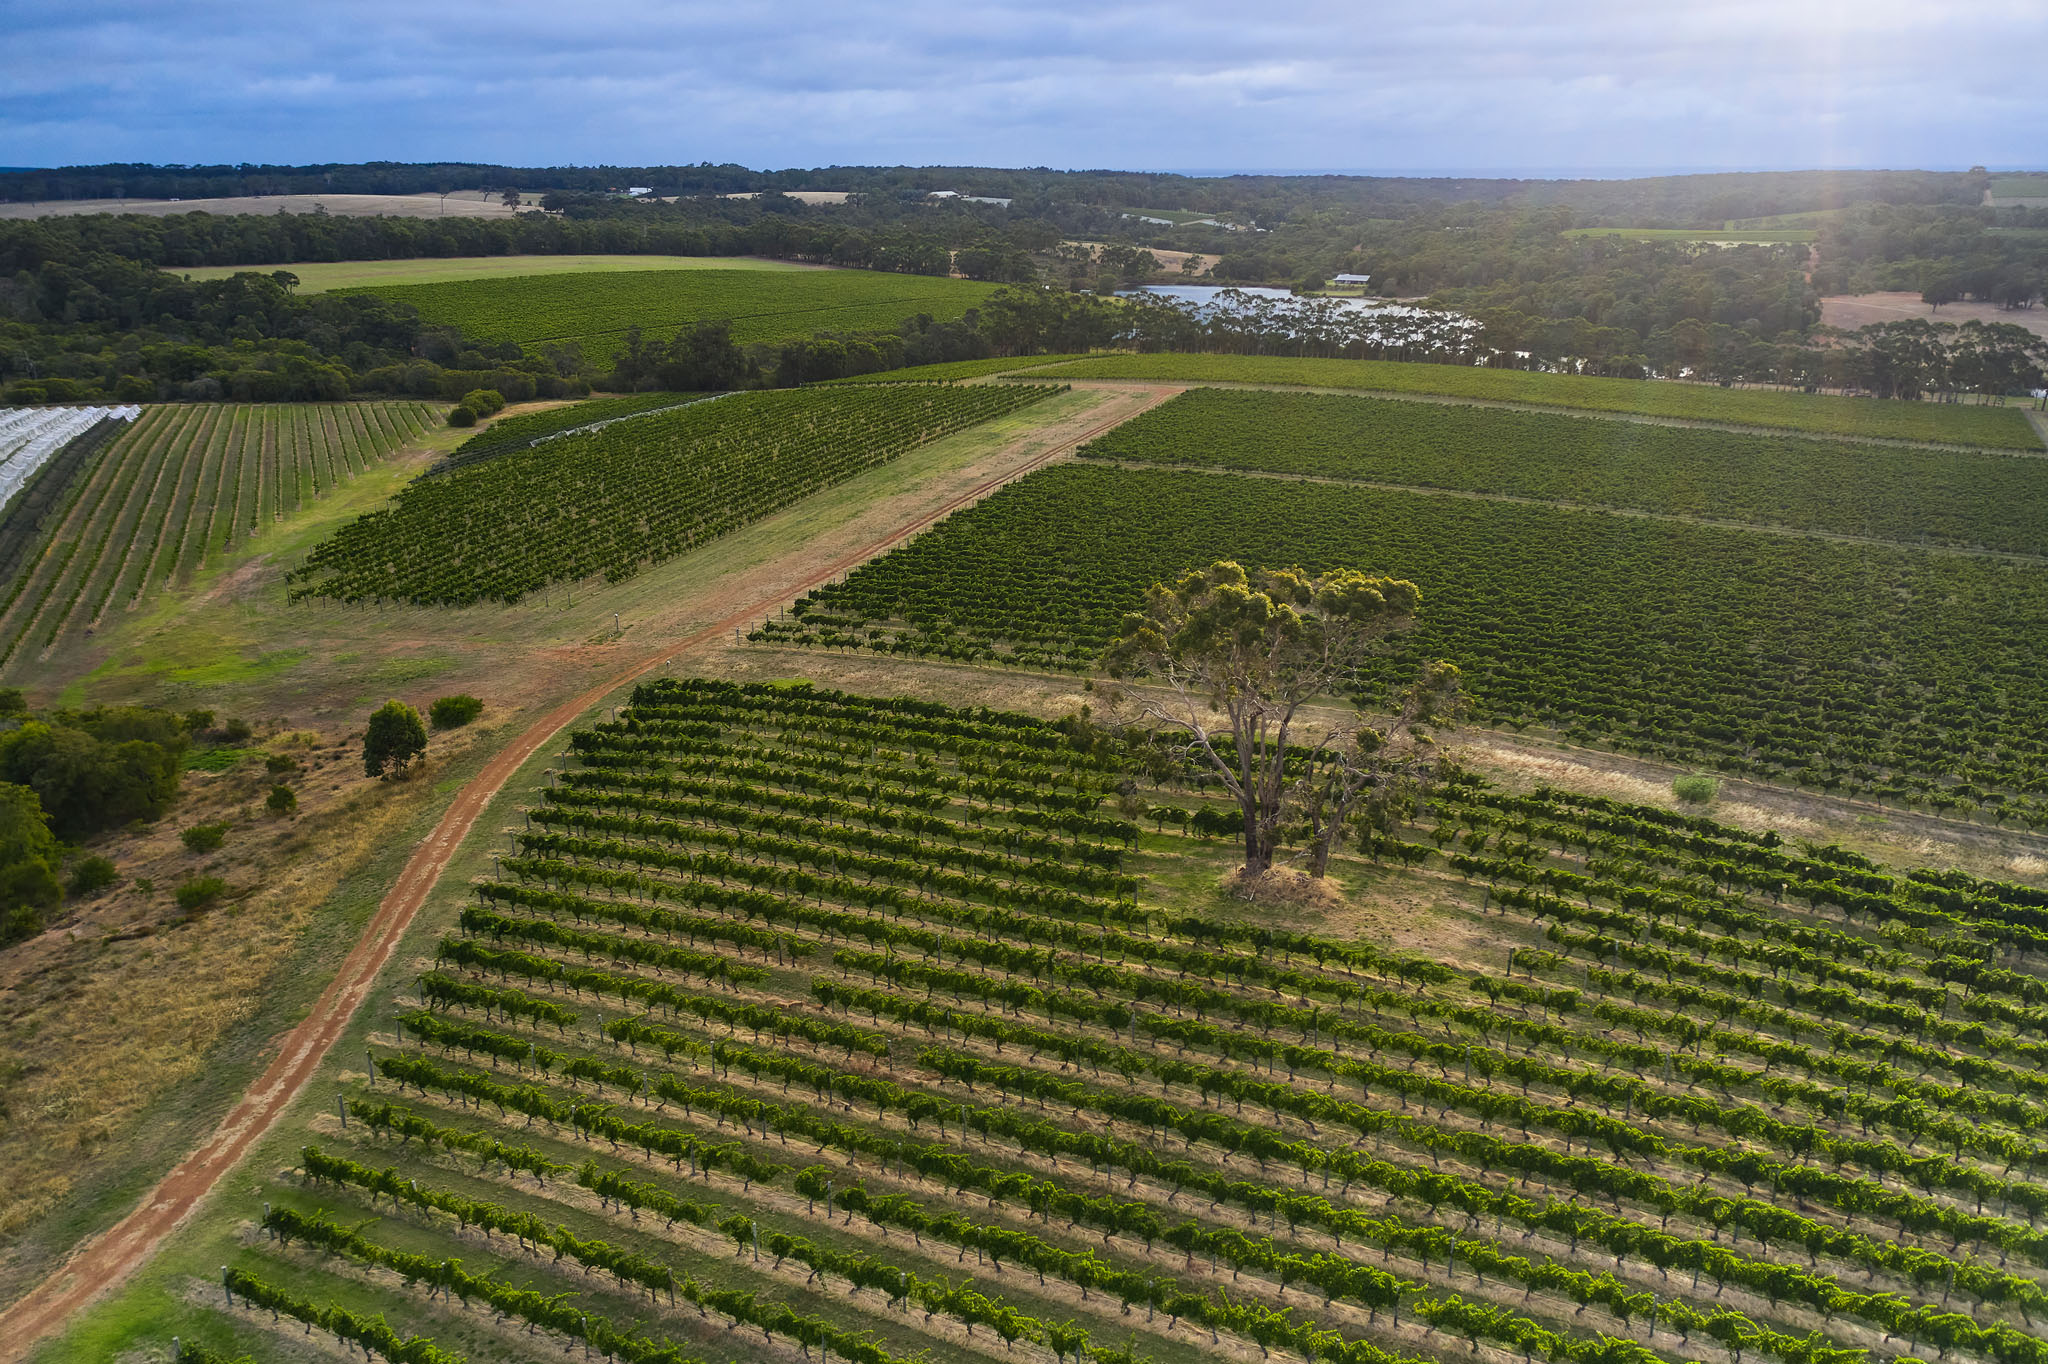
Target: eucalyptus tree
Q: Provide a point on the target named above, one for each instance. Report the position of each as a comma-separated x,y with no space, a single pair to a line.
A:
1245,669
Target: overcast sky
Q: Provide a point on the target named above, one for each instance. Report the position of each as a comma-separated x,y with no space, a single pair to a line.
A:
1445,85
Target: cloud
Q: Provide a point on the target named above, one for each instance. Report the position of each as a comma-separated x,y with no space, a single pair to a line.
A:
1457,84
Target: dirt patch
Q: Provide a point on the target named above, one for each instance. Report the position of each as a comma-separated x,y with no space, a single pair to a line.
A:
1173,263
1863,310
813,197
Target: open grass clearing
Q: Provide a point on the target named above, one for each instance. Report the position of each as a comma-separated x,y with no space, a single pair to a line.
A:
595,310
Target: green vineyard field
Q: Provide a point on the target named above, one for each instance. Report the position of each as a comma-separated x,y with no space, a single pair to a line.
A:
786,1001
613,500
594,310
1896,673
513,433
180,487
1886,492
1950,423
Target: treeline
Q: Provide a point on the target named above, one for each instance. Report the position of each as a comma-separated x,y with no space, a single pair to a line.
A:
1992,255
1676,200
85,314
609,228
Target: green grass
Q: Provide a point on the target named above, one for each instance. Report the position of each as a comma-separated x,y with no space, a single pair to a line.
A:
594,310
1951,423
2019,187
317,277
1812,217
1746,236
957,369
1179,216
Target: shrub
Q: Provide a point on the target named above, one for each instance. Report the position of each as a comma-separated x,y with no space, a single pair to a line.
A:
485,402
205,838
277,764
462,416
97,769
1697,789
453,712
28,865
282,801
236,732
199,891
395,737
90,875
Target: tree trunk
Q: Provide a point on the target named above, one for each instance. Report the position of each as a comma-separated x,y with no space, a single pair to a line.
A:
1258,856
1319,853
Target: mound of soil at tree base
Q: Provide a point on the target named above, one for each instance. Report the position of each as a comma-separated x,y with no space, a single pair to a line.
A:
1284,886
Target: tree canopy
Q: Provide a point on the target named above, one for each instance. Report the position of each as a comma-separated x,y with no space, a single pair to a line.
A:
99,769
28,864
1258,649
395,737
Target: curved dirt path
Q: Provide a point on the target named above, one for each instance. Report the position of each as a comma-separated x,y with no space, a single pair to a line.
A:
107,1260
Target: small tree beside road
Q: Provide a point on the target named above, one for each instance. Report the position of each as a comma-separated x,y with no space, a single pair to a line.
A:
395,737
1228,661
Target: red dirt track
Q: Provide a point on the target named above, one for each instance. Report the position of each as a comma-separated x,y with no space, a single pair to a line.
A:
105,1261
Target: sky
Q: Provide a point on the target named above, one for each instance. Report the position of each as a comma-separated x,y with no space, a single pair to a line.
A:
1556,86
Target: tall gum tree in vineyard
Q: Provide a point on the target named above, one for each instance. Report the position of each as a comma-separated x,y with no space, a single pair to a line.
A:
1229,661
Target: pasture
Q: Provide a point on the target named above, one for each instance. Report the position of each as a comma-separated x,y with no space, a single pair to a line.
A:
316,277
594,311
2023,189
1820,414
1900,305
179,487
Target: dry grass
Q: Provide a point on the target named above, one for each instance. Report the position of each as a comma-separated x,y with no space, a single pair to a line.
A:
1863,310
1295,890
124,999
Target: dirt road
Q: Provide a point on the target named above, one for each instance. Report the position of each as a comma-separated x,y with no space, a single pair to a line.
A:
107,1260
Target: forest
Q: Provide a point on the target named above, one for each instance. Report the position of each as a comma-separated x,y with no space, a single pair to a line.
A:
88,312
